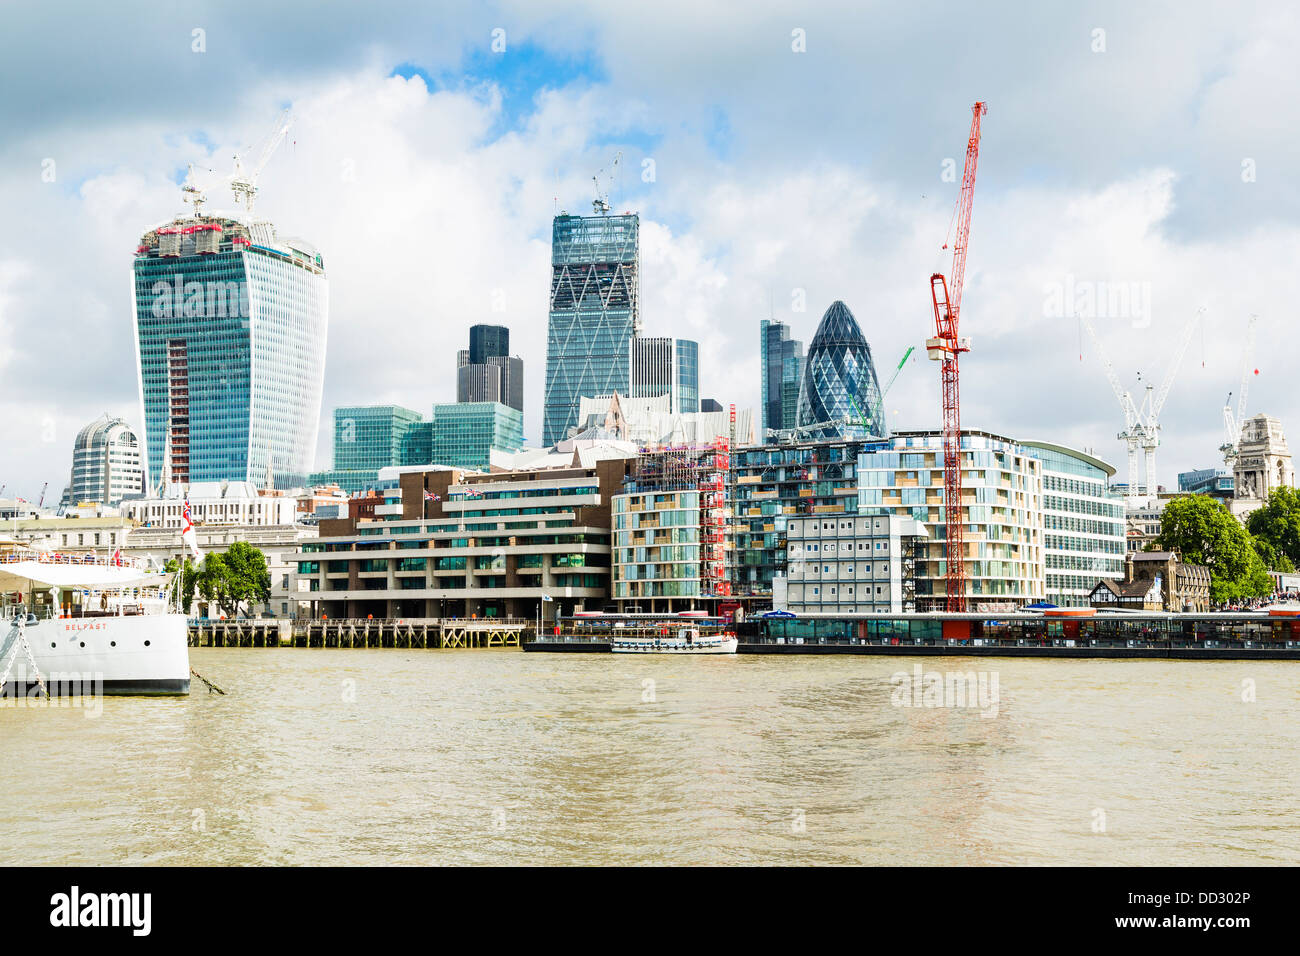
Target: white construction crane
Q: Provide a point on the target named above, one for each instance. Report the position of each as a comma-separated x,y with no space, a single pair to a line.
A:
1132,433
601,203
195,194
243,181
1154,405
1232,422
1142,422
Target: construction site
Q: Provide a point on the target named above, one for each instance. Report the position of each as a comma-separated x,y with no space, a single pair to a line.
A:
672,530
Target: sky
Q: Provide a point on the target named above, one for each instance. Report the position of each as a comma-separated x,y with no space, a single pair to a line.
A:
1139,163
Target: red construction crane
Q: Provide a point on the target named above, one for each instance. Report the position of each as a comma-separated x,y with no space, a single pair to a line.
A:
945,347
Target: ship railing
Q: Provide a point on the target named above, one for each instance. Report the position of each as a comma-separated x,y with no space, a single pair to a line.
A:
75,560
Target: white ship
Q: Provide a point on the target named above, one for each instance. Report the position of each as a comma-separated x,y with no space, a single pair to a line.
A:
89,625
688,632
677,640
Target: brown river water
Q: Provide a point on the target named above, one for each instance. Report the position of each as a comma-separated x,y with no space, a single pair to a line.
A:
497,756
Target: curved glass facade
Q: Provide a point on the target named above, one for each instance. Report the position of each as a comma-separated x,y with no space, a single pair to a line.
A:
839,396
230,332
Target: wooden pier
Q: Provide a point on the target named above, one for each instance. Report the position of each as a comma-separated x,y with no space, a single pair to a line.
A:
367,632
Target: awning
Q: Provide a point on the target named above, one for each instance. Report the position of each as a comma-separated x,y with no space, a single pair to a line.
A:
15,576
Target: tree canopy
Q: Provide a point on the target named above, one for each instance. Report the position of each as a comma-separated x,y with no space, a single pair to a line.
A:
1204,532
235,579
1276,527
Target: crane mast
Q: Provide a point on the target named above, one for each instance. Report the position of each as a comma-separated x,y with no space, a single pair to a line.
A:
1232,423
945,347
248,168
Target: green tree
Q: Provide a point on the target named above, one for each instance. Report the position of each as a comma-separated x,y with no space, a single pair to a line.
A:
1273,559
235,578
1204,532
1277,527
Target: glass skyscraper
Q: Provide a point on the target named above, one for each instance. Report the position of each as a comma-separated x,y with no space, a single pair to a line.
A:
230,325
466,433
782,360
840,394
594,314
667,366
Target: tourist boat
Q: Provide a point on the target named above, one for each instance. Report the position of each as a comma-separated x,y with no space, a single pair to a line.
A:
89,625
691,632
680,640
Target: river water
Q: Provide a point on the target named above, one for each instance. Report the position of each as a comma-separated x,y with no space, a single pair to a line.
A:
497,756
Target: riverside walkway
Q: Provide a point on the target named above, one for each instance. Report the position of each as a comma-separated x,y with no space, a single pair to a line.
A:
364,632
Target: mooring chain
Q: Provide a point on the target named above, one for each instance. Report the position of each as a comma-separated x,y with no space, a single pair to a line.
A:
19,625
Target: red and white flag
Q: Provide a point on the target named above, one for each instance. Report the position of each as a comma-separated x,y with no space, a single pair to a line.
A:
187,532
117,557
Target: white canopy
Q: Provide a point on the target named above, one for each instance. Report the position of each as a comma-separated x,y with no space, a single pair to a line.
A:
15,576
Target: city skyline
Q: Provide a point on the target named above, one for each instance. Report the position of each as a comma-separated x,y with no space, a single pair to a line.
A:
1075,204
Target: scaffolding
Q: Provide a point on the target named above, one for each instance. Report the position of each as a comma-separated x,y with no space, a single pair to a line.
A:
703,468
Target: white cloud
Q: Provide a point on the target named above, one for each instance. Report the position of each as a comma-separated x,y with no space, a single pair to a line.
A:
432,211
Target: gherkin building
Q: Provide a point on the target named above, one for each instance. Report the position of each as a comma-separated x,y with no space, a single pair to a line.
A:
839,396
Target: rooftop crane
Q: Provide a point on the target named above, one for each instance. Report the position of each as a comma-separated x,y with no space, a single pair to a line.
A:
1155,402
1142,422
44,488
945,347
601,203
1232,423
243,180
1132,433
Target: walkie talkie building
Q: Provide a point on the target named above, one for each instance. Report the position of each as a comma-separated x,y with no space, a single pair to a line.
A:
230,327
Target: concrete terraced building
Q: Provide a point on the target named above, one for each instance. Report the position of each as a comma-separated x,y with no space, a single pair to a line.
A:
452,544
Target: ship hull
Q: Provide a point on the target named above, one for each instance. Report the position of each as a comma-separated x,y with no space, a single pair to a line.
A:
673,645
136,655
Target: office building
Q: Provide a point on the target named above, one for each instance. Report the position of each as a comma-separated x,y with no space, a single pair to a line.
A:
1214,482
782,370
488,341
368,438
450,544
212,503
230,326
1083,523
839,394
107,464
594,314
464,434
486,372
666,367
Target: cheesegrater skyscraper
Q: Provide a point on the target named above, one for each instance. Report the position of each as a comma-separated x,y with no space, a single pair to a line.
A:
594,314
